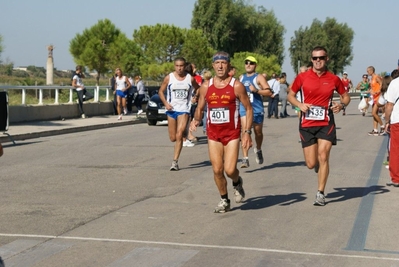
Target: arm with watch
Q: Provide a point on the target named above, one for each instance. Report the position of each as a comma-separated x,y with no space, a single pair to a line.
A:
338,106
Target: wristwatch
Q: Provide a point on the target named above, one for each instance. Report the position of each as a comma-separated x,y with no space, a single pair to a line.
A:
248,131
343,105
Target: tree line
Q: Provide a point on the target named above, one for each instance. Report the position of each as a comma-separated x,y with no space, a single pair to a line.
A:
234,26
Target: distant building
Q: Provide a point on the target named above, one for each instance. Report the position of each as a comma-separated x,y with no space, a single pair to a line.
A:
23,68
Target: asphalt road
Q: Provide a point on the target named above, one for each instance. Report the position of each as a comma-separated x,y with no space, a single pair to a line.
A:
107,198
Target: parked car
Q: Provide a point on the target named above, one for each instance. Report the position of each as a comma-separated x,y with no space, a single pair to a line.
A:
155,109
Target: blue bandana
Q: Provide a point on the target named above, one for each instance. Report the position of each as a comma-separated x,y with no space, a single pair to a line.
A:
221,57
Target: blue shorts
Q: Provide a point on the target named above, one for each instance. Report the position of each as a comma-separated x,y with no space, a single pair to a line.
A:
121,93
258,117
175,114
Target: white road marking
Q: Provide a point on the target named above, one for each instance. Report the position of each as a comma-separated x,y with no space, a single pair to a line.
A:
199,246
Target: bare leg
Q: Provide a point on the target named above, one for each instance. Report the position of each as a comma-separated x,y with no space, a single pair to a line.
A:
258,129
176,130
319,154
228,156
376,119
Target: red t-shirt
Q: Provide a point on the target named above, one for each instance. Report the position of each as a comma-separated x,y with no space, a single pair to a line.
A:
317,91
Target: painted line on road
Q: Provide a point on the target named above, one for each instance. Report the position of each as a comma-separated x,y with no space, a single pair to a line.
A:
199,246
357,240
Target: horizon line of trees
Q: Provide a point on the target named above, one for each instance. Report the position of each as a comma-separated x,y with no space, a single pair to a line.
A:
234,26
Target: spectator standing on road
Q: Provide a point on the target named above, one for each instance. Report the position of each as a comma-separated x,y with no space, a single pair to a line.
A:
375,92
122,86
364,87
256,87
179,86
392,127
222,94
272,107
283,95
317,126
138,101
382,99
394,75
83,94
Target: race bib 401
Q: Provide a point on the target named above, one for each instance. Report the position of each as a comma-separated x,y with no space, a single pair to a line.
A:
219,115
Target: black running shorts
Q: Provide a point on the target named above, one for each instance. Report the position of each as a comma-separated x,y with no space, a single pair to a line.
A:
309,135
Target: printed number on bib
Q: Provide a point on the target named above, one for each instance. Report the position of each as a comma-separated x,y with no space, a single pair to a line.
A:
316,113
181,94
251,97
219,115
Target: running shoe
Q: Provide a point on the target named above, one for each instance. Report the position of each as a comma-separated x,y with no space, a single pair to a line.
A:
320,199
244,163
188,143
259,156
223,206
175,166
393,184
382,131
374,133
239,193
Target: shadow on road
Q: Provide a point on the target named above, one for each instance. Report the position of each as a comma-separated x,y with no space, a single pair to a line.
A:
262,202
279,165
346,193
205,163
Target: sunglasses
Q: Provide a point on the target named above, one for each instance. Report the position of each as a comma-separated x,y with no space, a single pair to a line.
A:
321,58
249,62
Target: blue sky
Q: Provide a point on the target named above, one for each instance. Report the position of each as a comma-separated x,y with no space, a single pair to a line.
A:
28,27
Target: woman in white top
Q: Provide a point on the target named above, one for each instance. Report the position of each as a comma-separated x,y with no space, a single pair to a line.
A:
122,85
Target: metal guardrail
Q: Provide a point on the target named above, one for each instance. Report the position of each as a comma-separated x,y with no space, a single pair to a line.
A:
56,89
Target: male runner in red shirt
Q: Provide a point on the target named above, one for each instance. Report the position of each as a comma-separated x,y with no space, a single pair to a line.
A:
317,126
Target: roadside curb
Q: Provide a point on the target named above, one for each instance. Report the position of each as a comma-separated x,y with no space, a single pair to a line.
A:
74,129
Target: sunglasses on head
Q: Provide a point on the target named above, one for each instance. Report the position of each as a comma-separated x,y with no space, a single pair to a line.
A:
247,62
364,76
321,58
